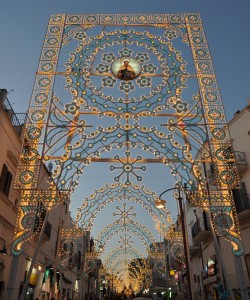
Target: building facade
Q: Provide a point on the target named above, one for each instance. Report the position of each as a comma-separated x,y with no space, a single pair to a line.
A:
208,273
46,278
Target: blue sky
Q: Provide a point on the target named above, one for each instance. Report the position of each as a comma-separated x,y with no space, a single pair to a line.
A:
226,23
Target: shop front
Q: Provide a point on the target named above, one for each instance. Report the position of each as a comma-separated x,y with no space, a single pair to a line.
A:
34,283
210,279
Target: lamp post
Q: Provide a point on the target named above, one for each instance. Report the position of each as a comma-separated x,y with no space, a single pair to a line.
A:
160,203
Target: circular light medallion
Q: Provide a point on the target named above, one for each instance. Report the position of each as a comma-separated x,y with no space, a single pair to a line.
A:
126,68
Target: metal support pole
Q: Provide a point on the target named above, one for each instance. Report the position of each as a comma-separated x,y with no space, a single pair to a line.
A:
11,280
166,263
241,278
25,288
88,286
185,245
201,278
219,255
97,288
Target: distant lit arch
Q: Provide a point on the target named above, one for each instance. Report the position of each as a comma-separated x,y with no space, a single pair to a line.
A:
92,205
114,228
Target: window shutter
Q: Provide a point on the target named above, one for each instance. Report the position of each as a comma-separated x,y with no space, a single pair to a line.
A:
3,176
237,200
7,183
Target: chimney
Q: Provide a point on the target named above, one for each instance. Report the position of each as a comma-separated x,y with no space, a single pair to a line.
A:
3,94
248,101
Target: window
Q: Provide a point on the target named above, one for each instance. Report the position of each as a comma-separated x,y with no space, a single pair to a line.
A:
5,180
2,244
241,198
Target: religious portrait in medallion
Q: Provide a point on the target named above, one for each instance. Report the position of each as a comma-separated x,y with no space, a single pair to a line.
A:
126,68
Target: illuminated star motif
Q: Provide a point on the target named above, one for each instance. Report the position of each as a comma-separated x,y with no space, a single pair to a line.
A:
125,242
124,214
128,168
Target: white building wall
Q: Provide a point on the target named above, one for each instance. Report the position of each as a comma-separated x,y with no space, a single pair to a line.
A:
239,128
9,152
47,254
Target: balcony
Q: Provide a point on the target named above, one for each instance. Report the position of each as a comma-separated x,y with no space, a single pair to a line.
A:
41,214
46,233
17,119
193,250
240,161
189,196
242,204
200,231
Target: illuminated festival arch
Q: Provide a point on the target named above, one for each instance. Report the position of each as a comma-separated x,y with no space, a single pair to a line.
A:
93,204
114,228
125,253
185,110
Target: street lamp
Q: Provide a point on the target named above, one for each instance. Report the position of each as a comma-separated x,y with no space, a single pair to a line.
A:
160,203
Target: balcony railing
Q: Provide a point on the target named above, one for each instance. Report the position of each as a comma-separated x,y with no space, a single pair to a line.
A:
199,226
21,117
195,229
241,200
17,119
241,162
